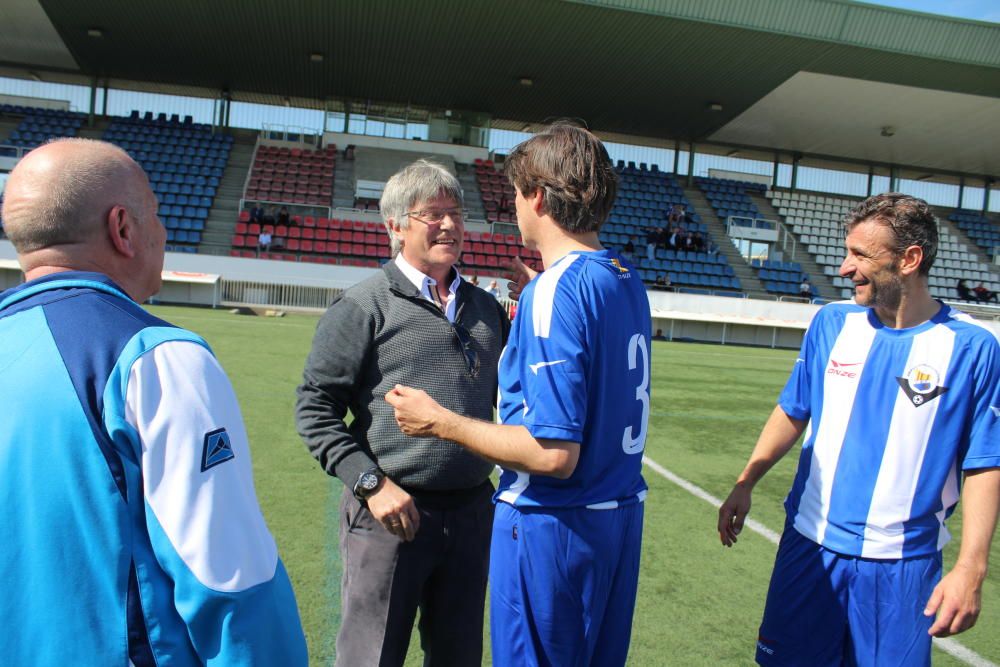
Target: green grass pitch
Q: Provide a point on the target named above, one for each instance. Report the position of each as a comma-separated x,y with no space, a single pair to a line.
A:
698,603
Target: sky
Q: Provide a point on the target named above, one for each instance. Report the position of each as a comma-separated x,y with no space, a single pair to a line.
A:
979,10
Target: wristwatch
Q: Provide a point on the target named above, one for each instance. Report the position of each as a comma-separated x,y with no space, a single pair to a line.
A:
367,482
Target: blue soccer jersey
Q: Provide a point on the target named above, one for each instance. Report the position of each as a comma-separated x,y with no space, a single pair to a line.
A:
895,415
576,368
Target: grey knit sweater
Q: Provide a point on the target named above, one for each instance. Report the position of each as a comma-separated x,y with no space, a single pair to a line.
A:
380,333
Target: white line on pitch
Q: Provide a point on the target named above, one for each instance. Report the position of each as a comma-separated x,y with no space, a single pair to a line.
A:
948,645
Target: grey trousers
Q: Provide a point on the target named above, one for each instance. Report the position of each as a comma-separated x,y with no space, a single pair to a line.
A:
442,572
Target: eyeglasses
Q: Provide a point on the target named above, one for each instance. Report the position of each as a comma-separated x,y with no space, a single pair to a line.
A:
435,216
471,356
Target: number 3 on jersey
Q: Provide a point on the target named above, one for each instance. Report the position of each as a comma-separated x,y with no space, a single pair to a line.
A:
638,443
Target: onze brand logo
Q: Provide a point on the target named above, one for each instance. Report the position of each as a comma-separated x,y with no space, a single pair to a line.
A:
841,369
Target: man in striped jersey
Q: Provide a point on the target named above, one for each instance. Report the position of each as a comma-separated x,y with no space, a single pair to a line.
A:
897,394
574,407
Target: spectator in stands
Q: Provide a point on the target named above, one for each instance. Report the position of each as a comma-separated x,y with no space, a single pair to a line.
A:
662,281
257,213
984,295
676,239
659,335
474,281
676,218
628,251
896,394
416,512
270,215
964,293
283,217
130,522
264,241
805,289
699,242
494,289
653,234
688,242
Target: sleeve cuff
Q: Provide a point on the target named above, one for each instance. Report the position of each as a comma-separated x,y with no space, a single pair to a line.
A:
351,466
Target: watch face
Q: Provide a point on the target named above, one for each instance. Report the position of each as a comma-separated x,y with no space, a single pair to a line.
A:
369,481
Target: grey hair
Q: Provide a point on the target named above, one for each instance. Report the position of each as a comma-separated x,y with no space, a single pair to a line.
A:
68,207
420,181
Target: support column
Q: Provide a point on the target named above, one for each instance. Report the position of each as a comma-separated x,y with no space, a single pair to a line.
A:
987,184
677,156
774,171
795,171
690,175
93,102
871,179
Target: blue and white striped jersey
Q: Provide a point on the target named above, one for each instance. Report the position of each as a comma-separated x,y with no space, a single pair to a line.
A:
131,529
895,415
576,368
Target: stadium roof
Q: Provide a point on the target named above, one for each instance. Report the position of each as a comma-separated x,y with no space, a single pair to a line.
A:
817,77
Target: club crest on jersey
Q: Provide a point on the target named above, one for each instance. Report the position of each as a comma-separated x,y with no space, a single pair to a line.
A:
217,449
921,384
618,265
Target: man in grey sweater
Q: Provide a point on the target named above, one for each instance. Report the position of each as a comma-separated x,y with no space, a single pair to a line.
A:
415,512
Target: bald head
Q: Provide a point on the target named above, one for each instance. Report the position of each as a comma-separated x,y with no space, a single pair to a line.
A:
60,193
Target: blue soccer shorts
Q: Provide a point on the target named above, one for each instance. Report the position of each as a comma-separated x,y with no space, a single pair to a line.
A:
563,585
824,608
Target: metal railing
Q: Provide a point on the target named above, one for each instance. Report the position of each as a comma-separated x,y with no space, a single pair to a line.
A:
306,136
256,293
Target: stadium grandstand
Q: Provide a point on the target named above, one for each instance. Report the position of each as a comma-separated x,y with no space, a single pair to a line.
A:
749,126
763,164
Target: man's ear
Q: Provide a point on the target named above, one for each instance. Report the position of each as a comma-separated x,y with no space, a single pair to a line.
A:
121,231
537,200
910,260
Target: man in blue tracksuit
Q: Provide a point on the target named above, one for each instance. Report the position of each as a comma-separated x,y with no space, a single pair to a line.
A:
131,530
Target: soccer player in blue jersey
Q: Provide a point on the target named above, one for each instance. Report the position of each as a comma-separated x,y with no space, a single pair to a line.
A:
898,397
132,534
574,405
